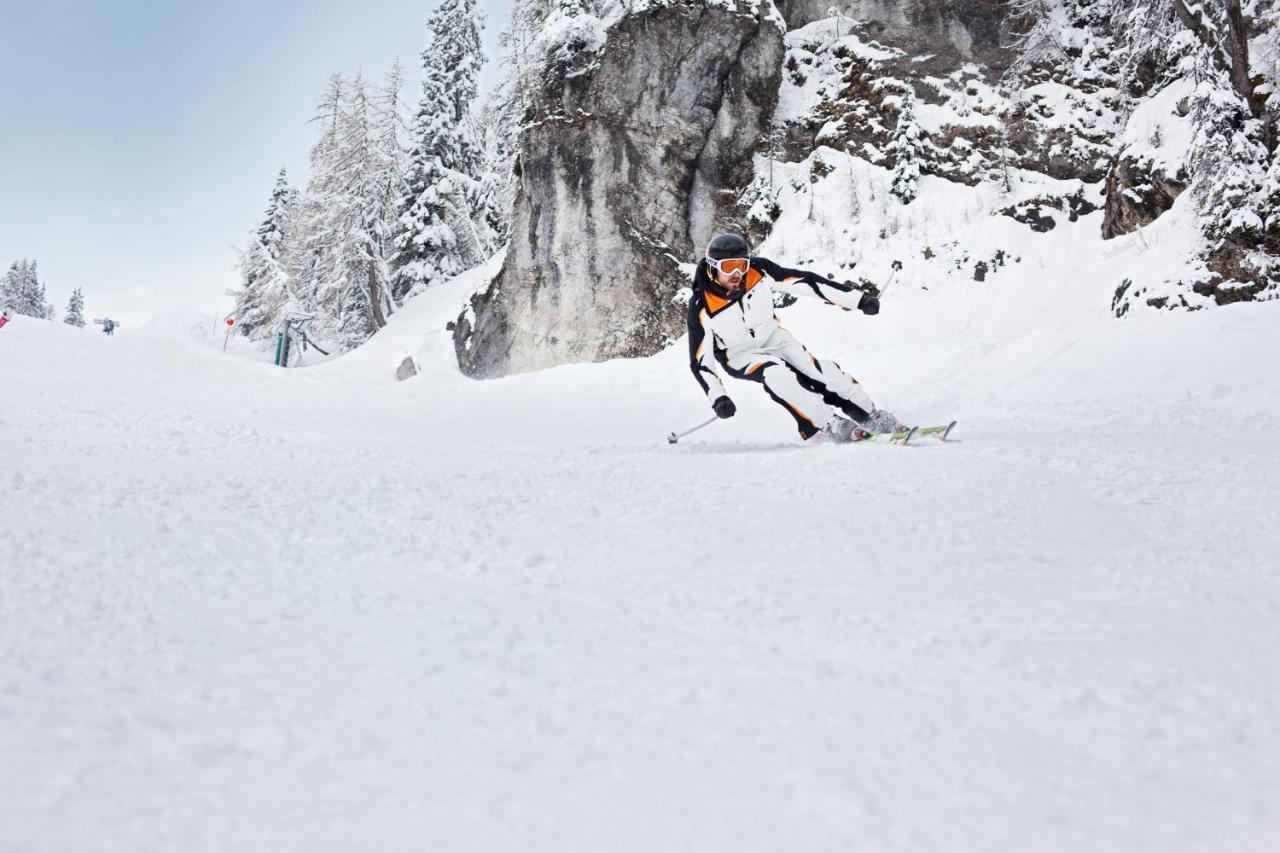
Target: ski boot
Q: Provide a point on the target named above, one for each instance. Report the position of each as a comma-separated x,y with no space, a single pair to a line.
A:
843,430
882,421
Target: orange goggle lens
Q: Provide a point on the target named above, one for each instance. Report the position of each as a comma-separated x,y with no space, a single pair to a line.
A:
730,265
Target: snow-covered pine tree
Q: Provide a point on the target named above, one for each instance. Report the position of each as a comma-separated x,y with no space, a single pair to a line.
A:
442,215
9,286
1203,47
905,150
504,113
522,59
1264,61
23,293
1036,26
356,215
284,197
75,310
1229,155
337,258
311,259
50,313
260,299
39,305
391,155
388,169
264,282
500,123
1004,161
342,229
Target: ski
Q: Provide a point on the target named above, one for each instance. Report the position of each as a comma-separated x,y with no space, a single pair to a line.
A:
904,437
938,432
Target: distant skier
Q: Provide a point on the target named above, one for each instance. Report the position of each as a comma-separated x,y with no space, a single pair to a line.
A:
4,318
108,326
731,318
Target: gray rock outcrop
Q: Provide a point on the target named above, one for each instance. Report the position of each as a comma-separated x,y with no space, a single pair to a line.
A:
626,166
1137,195
407,370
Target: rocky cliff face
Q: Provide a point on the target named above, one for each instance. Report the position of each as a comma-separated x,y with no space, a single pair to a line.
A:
948,32
639,145
1148,98
630,158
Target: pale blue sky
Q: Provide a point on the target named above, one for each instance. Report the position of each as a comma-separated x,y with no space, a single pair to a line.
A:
140,139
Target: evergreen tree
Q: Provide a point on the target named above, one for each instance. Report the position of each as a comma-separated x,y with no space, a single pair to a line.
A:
906,150
1169,42
509,105
1035,26
385,185
264,293
521,58
23,293
500,119
264,284
311,261
391,154
442,227
283,198
362,299
347,218
75,310
9,286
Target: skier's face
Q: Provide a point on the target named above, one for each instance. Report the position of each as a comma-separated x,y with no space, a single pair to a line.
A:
729,281
729,274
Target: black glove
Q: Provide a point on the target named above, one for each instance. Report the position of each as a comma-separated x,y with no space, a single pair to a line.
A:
869,304
724,407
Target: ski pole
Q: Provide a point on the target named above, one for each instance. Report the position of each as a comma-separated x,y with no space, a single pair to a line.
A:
675,437
897,266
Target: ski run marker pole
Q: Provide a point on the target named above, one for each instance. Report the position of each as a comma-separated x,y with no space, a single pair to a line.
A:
675,437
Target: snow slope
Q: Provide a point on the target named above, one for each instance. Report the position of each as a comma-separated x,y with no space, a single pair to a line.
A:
251,609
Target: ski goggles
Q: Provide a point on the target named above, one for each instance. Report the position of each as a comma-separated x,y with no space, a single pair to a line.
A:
728,266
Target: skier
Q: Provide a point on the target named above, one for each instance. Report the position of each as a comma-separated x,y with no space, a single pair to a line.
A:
4,317
731,318
108,326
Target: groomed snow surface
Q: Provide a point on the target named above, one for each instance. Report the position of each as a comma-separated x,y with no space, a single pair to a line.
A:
252,609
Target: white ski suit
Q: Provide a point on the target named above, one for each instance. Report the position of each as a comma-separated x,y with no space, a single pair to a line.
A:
740,330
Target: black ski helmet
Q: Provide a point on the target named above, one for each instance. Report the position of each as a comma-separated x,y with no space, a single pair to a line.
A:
727,246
